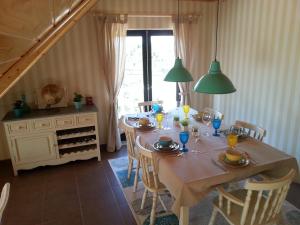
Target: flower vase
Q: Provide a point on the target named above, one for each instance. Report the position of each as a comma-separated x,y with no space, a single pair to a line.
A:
176,123
78,105
184,128
18,112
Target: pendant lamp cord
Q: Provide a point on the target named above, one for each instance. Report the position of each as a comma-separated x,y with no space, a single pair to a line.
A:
217,28
177,39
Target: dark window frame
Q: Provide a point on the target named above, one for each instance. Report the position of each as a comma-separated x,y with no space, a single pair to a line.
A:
147,59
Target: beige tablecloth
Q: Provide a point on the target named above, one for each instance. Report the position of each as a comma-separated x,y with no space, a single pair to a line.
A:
191,176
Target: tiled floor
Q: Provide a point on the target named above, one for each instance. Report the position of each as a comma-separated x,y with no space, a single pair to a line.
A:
78,193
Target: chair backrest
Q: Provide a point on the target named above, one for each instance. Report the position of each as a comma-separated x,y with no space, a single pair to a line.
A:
4,198
130,136
146,106
214,112
268,197
251,130
149,167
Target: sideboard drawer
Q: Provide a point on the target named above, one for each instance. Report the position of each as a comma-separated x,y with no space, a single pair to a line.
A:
63,122
18,127
88,119
43,124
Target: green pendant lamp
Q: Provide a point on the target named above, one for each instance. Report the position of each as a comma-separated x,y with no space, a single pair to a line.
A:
215,82
178,73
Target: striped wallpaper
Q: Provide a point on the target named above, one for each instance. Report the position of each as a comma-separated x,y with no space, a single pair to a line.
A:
260,52
74,61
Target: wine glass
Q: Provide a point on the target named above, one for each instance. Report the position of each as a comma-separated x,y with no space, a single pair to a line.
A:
184,137
159,119
216,125
195,134
206,118
232,140
168,117
186,109
194,131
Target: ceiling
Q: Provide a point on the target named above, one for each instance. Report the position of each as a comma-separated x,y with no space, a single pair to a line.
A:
23,24
28,28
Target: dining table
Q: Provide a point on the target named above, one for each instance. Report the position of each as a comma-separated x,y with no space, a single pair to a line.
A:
190,176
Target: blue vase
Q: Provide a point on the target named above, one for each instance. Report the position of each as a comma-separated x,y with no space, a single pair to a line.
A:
18,112
26,108
78,105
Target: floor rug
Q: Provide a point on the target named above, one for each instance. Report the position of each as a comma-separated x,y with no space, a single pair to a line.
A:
199,214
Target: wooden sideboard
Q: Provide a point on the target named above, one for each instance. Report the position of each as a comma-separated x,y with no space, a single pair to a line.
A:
52,137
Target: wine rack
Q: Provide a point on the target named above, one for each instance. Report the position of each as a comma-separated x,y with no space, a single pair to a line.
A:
76,140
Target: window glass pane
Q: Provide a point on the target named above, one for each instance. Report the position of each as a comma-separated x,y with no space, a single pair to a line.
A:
132,90
163,58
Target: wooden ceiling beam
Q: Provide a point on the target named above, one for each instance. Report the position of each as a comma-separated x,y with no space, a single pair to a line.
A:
15,72
199,0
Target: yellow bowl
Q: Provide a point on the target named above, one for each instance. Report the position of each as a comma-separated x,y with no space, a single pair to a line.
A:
233,156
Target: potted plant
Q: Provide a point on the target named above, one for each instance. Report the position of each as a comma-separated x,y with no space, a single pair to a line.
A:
77,101
18,108
176,120
184,125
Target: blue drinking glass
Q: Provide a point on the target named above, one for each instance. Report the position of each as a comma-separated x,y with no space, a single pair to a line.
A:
216,124
157,108
184,137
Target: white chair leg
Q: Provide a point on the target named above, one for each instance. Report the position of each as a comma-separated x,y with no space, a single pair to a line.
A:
136,176
213,217
144,198
162,203
152,215
130,164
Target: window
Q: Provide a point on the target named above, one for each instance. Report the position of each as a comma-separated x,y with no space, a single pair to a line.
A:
149,57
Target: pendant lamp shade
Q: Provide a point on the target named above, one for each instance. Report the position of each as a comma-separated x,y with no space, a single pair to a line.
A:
214,82
178,73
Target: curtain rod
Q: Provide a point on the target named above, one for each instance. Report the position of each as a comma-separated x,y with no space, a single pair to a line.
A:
145,14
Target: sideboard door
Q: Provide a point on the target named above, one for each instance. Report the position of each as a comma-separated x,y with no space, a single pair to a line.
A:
30,149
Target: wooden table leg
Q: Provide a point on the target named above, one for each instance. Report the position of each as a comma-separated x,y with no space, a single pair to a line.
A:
184,215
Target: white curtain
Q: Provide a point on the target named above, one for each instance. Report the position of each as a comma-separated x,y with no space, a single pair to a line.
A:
111,31
183,35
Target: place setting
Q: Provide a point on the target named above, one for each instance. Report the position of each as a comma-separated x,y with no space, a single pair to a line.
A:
165,144
144,124
231,156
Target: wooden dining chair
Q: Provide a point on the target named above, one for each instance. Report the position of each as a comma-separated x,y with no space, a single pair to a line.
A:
150,179
4,198
251,130
259,203
146,106
132,152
